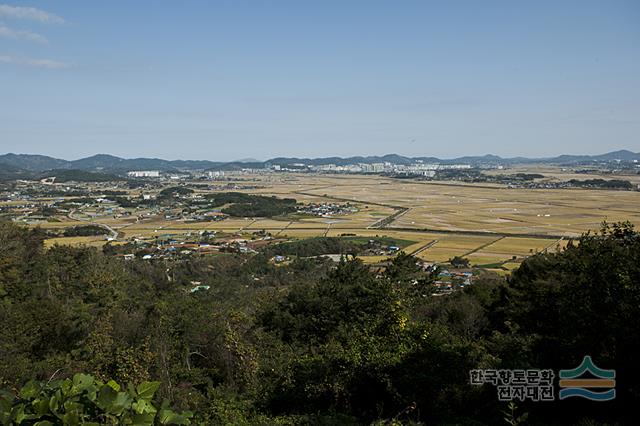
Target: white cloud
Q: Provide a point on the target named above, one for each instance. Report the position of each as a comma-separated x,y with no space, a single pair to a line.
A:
22,35
34,62
30,13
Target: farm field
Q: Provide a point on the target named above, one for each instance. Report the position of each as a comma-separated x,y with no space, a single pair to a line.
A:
557,174
94,241
445,206
487,223
538,219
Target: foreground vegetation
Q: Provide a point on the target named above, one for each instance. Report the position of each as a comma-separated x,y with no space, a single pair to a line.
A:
310,342
84,400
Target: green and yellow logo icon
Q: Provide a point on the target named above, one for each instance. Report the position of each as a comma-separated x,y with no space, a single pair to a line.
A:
572,384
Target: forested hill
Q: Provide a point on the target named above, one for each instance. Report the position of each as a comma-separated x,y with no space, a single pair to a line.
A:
28,163
307,342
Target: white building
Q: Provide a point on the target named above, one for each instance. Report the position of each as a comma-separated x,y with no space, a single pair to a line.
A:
455,166
377,167
144,173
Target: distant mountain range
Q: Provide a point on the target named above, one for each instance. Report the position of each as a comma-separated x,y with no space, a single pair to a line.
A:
22,165
100,162
622,155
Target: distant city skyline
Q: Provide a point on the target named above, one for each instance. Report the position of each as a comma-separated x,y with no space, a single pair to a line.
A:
261,160
224,81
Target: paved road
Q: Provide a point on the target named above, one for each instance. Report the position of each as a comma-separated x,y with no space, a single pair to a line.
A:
424,247
112,231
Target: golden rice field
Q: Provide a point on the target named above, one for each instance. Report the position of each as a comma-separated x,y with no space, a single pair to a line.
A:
488,224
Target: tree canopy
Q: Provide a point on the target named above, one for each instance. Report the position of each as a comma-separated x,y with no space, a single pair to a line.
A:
307,342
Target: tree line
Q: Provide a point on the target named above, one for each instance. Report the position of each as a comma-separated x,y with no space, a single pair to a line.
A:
312,342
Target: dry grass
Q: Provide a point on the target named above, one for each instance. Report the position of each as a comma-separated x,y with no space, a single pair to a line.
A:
519,246
433,206
76,241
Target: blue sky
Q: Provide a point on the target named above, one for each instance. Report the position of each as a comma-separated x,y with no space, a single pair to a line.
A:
224,80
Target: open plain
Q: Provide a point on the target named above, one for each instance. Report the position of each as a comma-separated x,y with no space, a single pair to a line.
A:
493,226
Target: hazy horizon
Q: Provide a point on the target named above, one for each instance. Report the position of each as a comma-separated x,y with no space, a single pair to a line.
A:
229,81
248,159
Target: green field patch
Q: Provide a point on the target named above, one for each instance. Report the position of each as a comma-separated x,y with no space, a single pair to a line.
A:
387,241
318,246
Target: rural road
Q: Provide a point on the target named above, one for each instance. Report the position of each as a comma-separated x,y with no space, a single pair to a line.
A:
112,231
